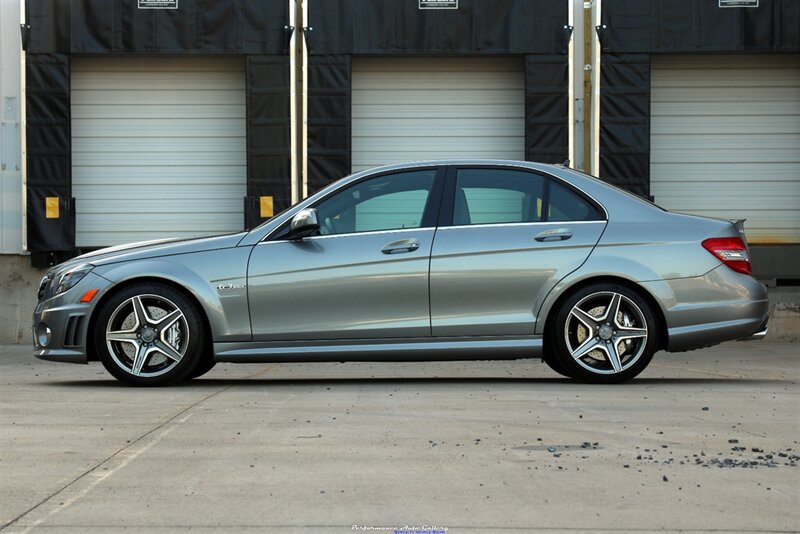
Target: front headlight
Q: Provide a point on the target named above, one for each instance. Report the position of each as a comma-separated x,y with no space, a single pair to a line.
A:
70,279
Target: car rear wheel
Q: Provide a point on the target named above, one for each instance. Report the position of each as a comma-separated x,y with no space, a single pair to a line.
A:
149,334
604,333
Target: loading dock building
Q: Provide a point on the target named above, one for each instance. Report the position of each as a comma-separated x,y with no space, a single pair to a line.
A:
143,119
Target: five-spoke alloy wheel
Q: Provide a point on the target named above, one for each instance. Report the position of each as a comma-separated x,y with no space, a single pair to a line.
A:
149,334
603,333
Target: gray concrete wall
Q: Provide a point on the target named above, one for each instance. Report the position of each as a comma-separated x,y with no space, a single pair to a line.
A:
784,314
18,285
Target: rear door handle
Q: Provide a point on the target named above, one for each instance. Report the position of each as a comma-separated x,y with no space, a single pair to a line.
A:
557,234
401,247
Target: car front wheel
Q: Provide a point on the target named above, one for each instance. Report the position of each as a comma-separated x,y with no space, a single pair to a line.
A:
604,333
149,334
555,364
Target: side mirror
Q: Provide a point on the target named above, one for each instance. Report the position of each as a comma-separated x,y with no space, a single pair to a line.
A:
303,224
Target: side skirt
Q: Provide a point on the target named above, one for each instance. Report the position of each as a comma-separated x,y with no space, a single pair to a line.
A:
382,350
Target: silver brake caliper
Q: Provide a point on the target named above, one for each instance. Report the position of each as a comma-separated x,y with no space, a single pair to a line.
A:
174,336
625,320
582,332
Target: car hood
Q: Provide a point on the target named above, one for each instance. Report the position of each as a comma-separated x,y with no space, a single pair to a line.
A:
152,249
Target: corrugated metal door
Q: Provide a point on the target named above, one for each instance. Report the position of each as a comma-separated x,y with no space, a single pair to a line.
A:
158,148
407,109
725,140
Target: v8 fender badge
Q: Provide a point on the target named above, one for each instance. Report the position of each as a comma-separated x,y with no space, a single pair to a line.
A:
223,287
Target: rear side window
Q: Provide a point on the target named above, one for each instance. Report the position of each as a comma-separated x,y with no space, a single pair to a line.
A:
566,205
493,196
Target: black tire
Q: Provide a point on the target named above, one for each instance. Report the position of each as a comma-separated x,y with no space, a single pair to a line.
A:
554,364
153,327
205,364
633,341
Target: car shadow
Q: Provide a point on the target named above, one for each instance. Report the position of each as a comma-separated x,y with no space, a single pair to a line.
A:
383,381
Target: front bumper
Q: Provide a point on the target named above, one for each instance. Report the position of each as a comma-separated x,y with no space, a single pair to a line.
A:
61,323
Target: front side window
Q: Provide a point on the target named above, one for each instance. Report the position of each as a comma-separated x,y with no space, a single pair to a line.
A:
493,196
389,202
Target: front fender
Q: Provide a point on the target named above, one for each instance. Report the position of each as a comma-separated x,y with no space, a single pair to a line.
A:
217,279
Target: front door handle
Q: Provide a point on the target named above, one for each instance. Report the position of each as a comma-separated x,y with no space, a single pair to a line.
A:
401,247
557,234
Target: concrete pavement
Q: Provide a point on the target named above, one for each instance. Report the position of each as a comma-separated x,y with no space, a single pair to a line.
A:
473,447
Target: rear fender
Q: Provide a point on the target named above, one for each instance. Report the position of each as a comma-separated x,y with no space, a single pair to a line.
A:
586,274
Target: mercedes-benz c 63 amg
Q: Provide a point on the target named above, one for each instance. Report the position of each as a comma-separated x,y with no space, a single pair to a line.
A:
438,260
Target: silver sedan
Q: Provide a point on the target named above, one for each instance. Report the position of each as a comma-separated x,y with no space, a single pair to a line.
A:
439,260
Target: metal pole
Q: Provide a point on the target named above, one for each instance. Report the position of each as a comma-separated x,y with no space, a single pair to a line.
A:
293,132
23,141
595,170
304,97
588,33
571,90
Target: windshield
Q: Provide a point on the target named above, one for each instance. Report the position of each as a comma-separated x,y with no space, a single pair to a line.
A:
320,192
271,218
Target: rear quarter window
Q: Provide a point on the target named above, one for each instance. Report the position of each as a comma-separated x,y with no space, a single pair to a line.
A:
567,205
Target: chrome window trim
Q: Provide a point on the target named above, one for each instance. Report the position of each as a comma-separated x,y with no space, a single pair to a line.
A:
350,234
533,223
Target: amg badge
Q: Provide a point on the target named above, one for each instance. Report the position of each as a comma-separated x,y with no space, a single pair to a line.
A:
222,287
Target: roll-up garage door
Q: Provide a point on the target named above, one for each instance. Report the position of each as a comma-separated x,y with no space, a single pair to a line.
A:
158,148
725,140
407,109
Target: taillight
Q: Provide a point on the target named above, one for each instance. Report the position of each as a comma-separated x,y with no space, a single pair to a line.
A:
731,251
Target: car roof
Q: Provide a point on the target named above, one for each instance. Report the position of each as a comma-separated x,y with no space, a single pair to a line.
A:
481,162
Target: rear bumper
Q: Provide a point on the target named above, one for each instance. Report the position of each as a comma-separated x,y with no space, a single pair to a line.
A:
722,305
758,336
